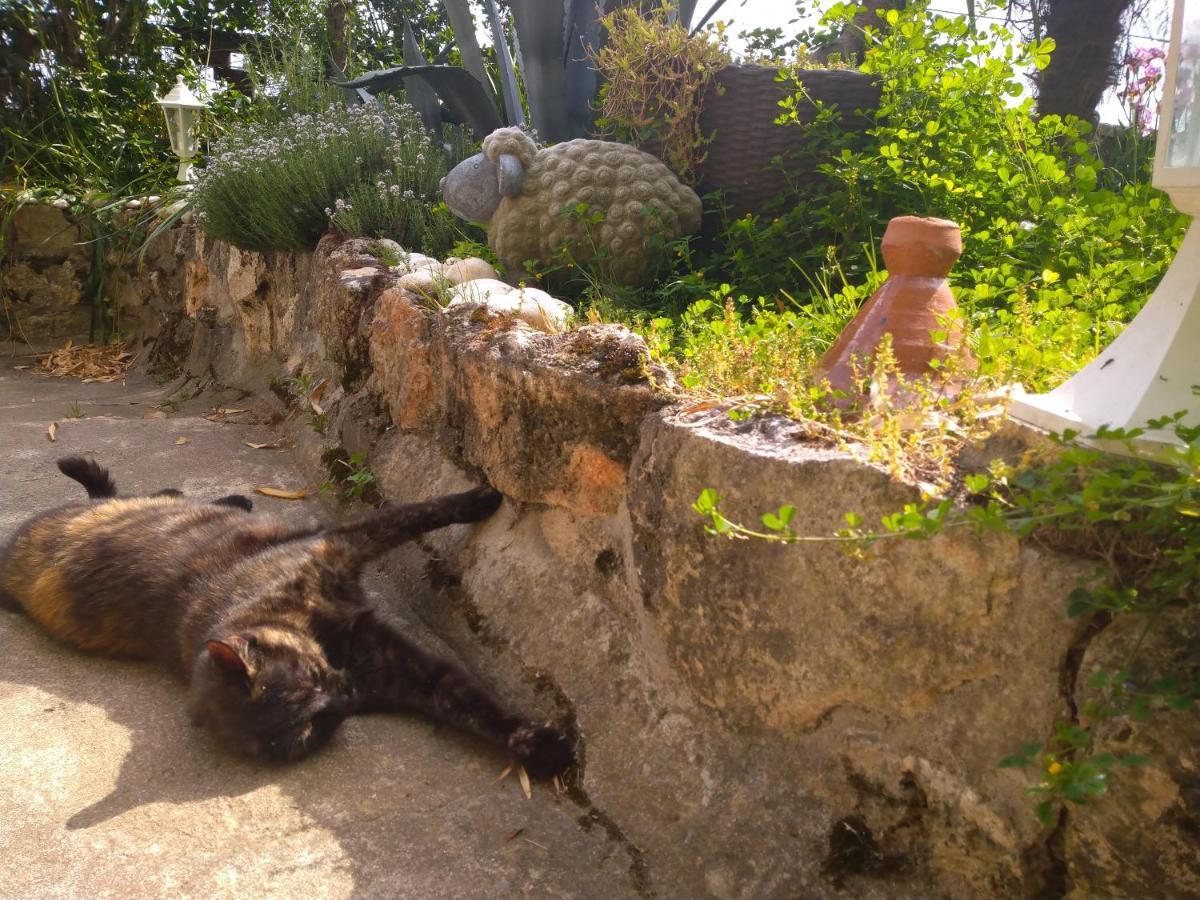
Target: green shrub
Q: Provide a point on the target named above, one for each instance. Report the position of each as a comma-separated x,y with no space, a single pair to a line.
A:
366,170
653,75
1060,250
401,205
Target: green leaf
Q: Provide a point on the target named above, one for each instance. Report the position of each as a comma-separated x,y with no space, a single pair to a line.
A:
1041,53
462,94
1133,759
976,484
458,12
1045,812
1080,607
508,75
540,35
707,501
417,92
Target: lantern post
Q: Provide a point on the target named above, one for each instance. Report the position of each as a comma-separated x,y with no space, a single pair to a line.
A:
1151,369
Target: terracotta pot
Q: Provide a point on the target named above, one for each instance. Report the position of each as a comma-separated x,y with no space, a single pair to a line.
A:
911,304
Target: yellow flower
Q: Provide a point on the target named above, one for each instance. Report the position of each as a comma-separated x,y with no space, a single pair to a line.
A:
1054,768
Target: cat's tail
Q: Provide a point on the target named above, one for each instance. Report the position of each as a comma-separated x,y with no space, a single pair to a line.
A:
90,474
371,535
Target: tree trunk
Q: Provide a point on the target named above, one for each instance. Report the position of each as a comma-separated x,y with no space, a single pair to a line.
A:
335,18
1087,35
851,44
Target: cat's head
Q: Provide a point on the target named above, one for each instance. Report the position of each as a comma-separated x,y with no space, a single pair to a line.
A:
268,693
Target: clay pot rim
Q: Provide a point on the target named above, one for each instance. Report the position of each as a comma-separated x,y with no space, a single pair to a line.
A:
927,221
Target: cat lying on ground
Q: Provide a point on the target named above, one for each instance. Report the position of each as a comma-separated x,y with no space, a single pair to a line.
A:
267,621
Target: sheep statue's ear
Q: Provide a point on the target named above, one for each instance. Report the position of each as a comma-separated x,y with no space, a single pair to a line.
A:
511,175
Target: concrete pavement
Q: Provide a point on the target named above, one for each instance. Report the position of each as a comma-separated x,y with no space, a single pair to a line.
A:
106,790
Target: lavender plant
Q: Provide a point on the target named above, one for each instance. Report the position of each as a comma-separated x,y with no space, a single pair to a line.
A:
367,170
398,206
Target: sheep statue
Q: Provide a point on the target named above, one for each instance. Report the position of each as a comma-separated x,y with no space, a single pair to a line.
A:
606,203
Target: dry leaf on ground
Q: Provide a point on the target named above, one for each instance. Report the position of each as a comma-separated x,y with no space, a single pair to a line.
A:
87,362
220,412
52,431
181,440
525,785
700,406
315,397
280,493
273,445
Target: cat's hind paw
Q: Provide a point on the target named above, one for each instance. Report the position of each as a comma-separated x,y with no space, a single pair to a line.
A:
481,503
542,750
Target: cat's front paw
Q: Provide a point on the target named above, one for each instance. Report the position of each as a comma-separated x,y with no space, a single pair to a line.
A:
542,750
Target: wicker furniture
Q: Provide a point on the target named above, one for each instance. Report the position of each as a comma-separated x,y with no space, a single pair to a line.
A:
741,117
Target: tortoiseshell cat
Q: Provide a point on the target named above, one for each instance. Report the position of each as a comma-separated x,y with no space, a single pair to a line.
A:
266,620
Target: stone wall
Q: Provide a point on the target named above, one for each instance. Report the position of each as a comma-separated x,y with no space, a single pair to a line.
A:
43,274
756,720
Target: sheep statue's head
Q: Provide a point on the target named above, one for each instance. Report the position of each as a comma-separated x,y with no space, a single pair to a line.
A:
474,187
601,200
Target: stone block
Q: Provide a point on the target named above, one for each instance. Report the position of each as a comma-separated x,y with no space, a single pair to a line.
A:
402,356
41,231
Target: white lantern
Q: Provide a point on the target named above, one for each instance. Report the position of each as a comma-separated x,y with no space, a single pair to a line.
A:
181,108
1177,158
1149,370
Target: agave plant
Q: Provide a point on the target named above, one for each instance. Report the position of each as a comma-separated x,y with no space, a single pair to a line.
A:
552,50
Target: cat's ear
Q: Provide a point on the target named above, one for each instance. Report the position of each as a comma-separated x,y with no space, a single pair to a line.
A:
232,655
